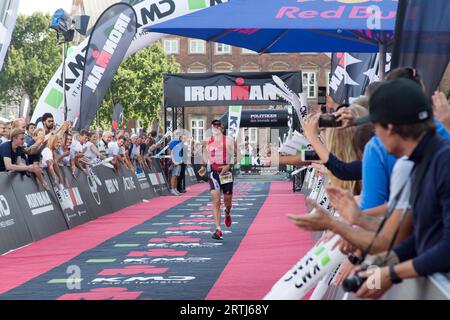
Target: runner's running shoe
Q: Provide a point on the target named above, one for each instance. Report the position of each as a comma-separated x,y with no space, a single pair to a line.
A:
217,235
227,218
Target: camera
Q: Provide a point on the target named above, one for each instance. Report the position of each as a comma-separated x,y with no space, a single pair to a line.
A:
353,283
329,121
309,155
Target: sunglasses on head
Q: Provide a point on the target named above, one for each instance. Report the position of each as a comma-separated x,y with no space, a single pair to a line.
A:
216,124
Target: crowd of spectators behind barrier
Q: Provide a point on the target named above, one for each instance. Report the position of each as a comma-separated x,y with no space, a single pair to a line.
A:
29,148
398,162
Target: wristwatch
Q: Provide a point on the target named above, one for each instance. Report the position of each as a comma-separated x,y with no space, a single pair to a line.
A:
394,276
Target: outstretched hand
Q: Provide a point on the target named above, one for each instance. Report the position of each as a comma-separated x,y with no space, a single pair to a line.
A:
318,220
343,201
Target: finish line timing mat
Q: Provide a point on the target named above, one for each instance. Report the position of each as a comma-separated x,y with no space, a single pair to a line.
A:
162,250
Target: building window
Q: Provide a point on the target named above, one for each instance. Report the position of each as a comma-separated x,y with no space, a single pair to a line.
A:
169,125
197,129
279,66
223,66
247,51
197,67
197,46
310,84
171,46
223,48
253,135
250,67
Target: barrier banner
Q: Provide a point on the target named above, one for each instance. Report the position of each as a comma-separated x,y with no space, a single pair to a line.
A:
144,187
70,200
94,193
154,183
129,186
39,207
161,178
114,188
316,264
13,228
190,175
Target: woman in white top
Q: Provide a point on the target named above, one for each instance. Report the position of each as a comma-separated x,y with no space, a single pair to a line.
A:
50,159
91,150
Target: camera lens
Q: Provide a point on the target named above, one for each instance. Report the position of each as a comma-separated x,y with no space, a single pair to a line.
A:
353,283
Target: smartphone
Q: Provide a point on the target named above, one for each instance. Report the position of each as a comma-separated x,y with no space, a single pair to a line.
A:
329,121
322,95
309,155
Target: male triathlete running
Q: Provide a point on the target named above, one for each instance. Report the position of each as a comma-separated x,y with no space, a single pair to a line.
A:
221,154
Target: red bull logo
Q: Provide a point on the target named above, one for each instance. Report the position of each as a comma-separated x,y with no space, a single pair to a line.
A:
346,10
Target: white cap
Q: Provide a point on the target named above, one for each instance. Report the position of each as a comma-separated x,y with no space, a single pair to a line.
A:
134,135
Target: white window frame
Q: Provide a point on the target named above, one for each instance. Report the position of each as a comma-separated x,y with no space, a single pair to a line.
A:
254,139
197,46
194,124
306,84
171,49
223,46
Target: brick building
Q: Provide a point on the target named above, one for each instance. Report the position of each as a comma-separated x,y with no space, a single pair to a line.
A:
198,56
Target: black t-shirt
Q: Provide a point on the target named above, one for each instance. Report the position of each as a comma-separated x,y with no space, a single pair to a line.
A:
7,151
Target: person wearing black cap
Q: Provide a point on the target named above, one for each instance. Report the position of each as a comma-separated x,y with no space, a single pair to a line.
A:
221,154
403,119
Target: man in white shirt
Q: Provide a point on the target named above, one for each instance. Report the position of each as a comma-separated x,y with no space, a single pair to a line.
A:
77,151
117,151
107,137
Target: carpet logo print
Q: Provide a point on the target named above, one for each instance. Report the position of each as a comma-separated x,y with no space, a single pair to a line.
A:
133,270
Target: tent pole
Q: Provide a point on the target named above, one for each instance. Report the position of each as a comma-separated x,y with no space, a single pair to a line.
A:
382,60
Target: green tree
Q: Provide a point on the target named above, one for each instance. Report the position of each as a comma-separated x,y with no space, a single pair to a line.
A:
138,86
32,59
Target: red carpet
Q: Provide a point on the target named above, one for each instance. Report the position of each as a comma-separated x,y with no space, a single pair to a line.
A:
271,246
29,262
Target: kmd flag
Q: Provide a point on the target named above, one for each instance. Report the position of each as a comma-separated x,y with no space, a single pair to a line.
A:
110,39
8,15
351,73
234,121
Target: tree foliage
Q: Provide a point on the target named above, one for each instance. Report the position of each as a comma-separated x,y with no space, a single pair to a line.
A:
138,86
33,57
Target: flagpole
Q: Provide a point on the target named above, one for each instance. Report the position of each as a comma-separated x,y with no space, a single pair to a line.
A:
382,61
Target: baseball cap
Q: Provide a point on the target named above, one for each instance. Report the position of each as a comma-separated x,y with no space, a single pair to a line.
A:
400,101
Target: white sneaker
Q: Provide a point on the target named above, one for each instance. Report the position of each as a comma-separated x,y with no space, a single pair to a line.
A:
174,192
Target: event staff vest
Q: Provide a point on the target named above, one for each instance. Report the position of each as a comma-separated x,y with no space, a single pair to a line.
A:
217,153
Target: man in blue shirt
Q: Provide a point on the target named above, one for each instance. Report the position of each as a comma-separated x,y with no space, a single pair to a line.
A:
176,154
403,119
